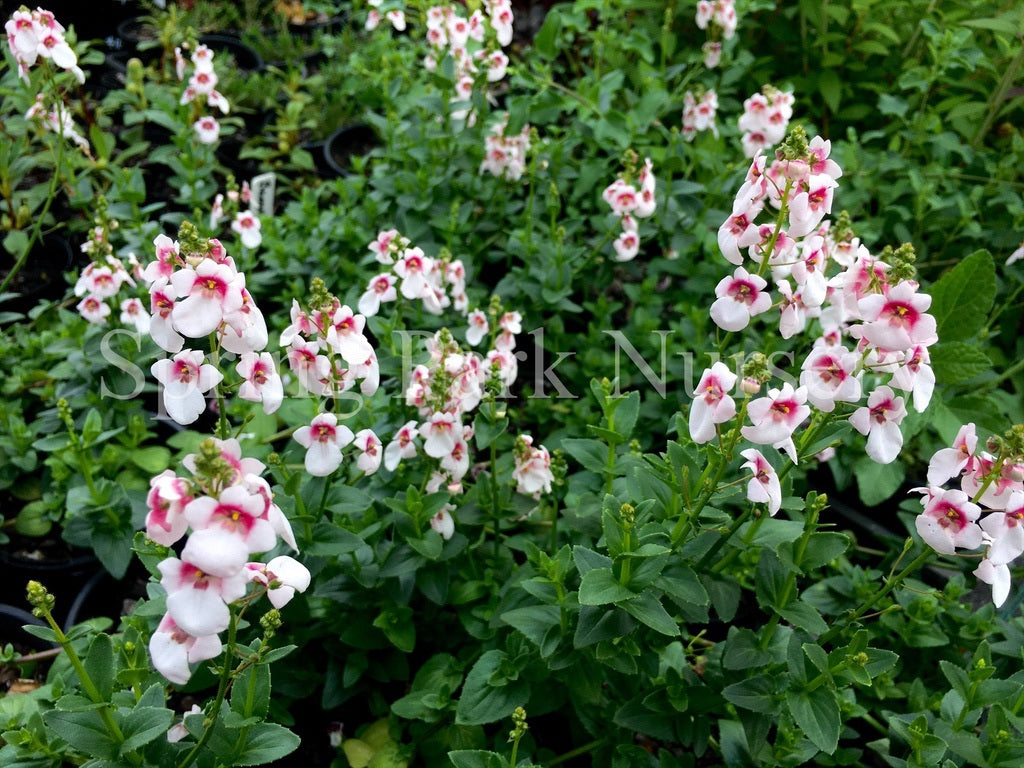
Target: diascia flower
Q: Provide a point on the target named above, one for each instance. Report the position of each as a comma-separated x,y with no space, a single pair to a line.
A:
323,439
712,403
186,381
532,471
740,297
948,521
880,420
764,487
776,416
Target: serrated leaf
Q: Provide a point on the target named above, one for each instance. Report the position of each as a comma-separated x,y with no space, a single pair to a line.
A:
956,362
481,702
755,693
962,298
817,714
600,587
265,743
592,454
648,609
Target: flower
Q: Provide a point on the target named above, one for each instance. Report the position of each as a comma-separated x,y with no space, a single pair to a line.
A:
740,297
948,521
262,383
712,403
323,439
401,446
998,575
776,416
172,649
950,462
764,487
532,471
207,130
443,522
186,380
196,600
880,420
370,458
283,576
247,225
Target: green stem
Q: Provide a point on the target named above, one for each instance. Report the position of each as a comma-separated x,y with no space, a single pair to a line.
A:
222,689
890,584
723,538
810,525
997,98
567,756
51,194
87,684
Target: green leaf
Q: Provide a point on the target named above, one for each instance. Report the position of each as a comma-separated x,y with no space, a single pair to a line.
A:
743,650
680,583
545,41
755,693
332,541
596,625
962,298
143,725
153,459
877,482
485,432
83,731
956,362
599,587
250,692
804,616
476,758
648,609
113,548
817,714
831,88
592,454
823,547
266,742
533,621
484,702
99,665
771,580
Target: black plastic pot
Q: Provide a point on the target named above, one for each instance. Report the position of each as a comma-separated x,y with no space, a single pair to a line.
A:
133,31
333,24
346,143
41,277
63,570
246,59
12,622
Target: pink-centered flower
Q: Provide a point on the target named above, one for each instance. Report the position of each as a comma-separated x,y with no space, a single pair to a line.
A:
1006,529
186,381
712,403
210,291
776,416
323,440
262,383
740,297
402,446
196,600
532,471
247,226
950,462
226,530
948,521
764,487
443,522
283,576
371,451
898,320
167,498
828,376
380,290
440,433
880,421
172,649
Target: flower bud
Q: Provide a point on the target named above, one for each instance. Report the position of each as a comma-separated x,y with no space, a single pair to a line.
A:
750,385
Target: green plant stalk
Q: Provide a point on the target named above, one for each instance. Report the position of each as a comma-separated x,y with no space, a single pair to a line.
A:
222,689
890,584
495,512
779,221
51,194
747,538
567,756
699,567
609,463
810,525
997,98
87,684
